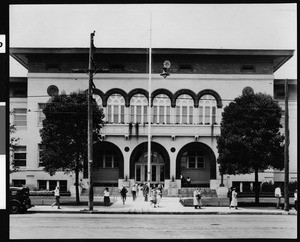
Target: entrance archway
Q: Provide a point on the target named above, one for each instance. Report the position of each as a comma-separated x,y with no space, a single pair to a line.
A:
160,163
108,164
197,161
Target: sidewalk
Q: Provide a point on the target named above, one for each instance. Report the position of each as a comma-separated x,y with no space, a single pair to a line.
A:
168,205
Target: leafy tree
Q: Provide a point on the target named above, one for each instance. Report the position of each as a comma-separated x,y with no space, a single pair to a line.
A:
64,133
250,139
13,144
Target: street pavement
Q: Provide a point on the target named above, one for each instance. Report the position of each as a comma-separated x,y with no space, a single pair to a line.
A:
168,205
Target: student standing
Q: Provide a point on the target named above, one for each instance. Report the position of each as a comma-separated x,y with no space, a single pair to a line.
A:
133,191
234,201
106,197
278,196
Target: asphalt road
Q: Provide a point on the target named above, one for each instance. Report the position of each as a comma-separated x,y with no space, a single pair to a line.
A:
121,226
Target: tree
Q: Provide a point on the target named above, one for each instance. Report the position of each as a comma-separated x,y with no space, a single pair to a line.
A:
13,144
64,133
250,139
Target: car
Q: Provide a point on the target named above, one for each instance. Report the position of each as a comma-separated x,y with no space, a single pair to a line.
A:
19,200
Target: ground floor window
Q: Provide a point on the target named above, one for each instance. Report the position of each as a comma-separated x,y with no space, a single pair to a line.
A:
193,159
42,185
18,183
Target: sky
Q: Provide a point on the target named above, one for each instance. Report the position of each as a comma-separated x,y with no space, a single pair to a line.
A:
213,26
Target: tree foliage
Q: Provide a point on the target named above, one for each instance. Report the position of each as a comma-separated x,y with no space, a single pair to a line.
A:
250,136
64,131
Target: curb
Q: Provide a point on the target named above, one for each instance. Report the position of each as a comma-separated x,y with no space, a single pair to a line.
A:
163,213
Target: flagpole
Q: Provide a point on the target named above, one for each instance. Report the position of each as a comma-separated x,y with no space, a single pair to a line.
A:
149,106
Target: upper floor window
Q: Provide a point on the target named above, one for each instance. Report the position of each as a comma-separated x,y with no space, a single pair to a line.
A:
40,153
41,115
115,111
184,109
19,156
161,109
138,109
207,110
20,117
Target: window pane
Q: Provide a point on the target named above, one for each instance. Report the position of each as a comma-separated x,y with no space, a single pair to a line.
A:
213,115
139,114
207,115
192,162
52,185
200,162
178,114
145,114
155,114
109,107
184,114
201,115
161,114
132,114
190,115
122,114
42,184
153,173
116,114
168,115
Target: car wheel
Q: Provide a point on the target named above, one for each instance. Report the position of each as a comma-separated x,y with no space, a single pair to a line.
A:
14,208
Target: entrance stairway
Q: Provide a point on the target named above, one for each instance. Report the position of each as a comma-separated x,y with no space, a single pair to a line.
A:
183,192
188,192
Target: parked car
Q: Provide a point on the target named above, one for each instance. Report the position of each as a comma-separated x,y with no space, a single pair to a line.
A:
19,200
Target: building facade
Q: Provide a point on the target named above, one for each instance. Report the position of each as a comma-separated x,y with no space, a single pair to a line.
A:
186,111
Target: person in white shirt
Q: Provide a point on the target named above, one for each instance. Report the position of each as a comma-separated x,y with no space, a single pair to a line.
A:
57,196
106,197
278,196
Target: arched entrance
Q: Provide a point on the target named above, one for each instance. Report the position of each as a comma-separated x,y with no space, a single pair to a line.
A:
108,164
197,161
160,163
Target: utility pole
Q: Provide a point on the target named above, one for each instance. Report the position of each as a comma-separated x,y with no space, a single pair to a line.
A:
286,148
90,125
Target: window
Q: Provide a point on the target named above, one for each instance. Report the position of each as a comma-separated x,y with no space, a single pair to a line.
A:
40,113
20,156
107,159
161,108
52,185
247,68
20,117
185,67
207,110
42,184
63,185
138,109
41,149
192,159
184,109
18,183
115,109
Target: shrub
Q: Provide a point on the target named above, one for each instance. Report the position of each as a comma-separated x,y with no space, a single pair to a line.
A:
267,186
293,186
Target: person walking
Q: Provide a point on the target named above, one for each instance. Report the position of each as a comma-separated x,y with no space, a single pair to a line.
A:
229,195
159,194
197,198
123,194
278,195
296,200
146,192
153,199
106,197
133,191
234,201
57,196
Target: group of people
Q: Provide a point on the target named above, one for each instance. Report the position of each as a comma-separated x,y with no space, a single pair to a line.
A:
138,190
279,195
185,182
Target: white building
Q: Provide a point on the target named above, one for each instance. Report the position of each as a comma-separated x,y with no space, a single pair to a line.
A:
186,111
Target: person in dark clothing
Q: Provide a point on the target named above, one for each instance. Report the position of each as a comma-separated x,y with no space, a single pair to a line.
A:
229,195
123,194
146,192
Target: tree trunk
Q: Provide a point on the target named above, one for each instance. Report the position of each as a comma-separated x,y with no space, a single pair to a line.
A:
77,182
256,187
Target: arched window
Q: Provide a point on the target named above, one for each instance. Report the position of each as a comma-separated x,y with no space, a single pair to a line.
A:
184,109
138,109
161,111
207,110
115,110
